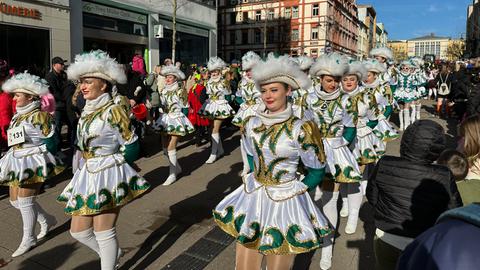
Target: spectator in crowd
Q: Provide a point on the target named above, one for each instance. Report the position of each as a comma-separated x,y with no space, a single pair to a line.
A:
469,186
444,81
451,244
167,62
151,83
138,64
408,193
196,98
57,80
6,108
456,162
460,92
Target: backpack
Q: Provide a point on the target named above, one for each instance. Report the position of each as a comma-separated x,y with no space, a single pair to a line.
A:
444,88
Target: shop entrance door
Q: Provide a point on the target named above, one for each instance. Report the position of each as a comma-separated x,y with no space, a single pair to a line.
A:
122,52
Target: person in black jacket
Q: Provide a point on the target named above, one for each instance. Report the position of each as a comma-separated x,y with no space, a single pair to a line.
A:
57,80
408,193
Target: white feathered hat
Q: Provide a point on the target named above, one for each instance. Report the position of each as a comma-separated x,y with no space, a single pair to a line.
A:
304,62
280,69
249,60
26,83
383,52
358,69
417,62
216,63
374,66
97,64
173,70
407,63
333,64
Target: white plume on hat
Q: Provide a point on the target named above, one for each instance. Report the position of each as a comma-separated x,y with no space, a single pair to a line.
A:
383,52
280,69
374,66
304,62
333,64
407,63
173,70
418,62
358,69
249,60
216,63
26,83
96,64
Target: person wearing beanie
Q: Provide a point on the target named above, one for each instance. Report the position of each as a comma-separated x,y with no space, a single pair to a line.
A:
30,160
383,97
248,97
337,127
173,123
366,147
216,107
104,180
272,215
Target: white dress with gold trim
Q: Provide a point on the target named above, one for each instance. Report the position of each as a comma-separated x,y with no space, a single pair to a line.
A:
272,212
251,100
216,106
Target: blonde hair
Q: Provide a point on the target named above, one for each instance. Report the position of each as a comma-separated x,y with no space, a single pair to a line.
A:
470,131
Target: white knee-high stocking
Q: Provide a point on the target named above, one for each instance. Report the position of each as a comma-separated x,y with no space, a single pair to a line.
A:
108,245
414,113
355,198
406,116
418,108
173,168
329,200
215,144
400,117
87,238
344,196
27,209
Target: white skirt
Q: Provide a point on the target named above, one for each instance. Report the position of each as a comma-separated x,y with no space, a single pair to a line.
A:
385,131
28,166
176,124
244,113
368,147
101,184
403,95
216,109
290,226
341,163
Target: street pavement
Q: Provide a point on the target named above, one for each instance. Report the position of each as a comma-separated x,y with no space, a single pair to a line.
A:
171,227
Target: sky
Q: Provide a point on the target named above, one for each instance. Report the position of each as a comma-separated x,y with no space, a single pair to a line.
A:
406,19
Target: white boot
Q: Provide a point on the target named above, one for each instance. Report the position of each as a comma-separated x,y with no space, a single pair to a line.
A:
87,238
355,197
46,221
400,116
329,200
414,113
246,166
108,246
29,218
344,196
406,116
419,109
172,160
215,144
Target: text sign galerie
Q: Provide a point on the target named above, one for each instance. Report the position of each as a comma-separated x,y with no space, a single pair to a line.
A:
16,135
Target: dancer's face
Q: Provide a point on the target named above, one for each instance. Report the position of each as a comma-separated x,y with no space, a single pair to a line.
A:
92,87
275,95
22,99
349,83
170,79
215,74
371,77
329,83
248,73
380,59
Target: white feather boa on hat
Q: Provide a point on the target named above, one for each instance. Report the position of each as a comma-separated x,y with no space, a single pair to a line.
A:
26,83
97,64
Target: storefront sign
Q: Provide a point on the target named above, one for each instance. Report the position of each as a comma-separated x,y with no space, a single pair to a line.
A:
114,13
185,28
20,11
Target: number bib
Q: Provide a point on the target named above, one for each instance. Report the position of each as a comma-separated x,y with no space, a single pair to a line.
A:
16,135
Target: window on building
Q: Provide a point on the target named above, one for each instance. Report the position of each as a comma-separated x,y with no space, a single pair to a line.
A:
271,14
257,36
245,16
295,35
288,12
315,33
233,17
245,37
232,37
258,15
295,12
313,53
270,35
315,11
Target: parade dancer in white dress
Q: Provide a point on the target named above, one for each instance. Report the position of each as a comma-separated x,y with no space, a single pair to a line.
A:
29,161
248,97
216,107
388,78
421,77
405,93
299,96
172,123
104,181
337,128
384,130
272,215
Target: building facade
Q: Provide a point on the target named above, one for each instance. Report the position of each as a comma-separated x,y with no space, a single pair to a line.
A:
431,44
305,27
473,30
128,27
399,49
381,36
363,41
368,16
44,24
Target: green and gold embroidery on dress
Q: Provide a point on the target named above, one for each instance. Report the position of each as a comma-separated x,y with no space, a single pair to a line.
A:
119,120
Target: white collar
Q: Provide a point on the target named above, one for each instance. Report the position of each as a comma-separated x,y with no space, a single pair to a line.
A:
27,108
354,92
327,96
372,85
269,119
93,105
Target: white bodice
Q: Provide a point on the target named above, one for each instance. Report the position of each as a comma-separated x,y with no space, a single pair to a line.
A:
217,90
248,91
38,125
172,99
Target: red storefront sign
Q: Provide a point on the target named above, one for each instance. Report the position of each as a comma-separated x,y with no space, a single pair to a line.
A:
20,11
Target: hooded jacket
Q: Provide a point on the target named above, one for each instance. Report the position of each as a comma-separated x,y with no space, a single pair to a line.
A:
409,192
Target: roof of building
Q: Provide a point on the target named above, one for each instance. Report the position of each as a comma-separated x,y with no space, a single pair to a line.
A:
429,37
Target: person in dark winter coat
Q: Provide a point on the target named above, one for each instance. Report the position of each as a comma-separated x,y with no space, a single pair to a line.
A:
408,193
460,92
452,244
